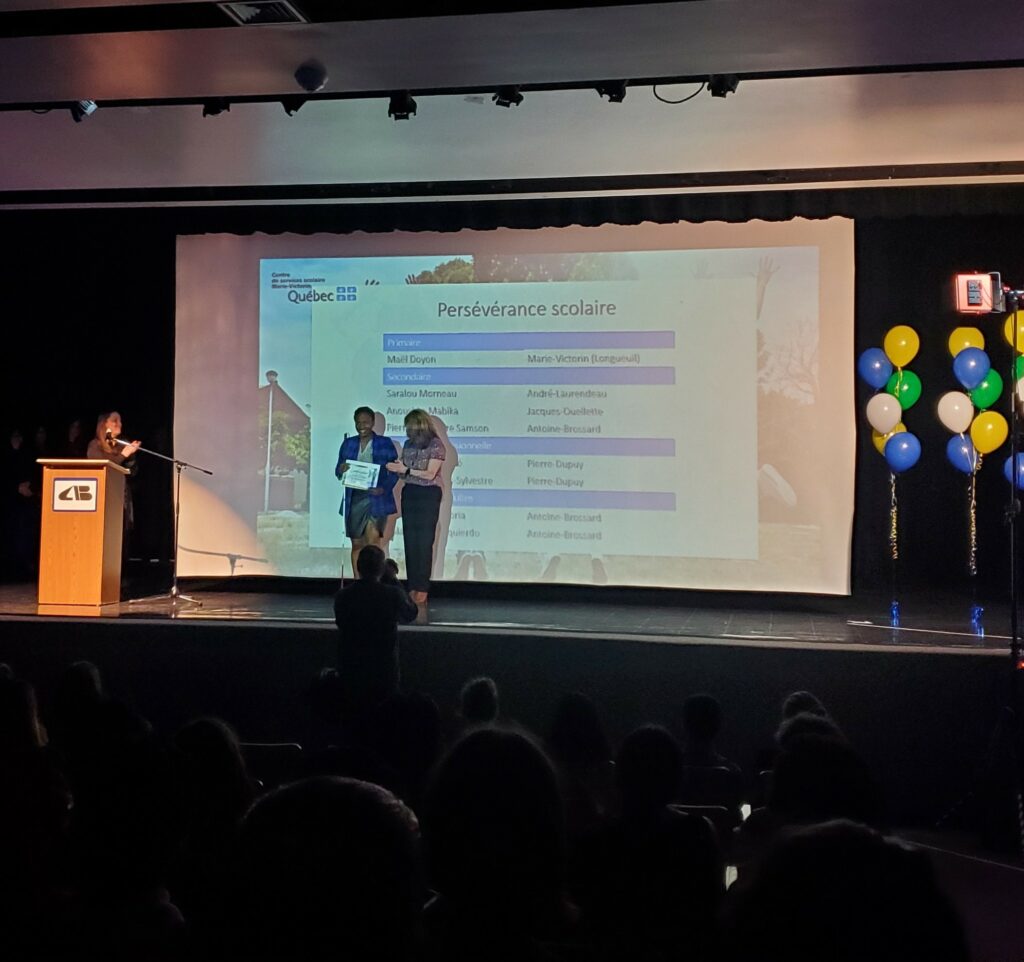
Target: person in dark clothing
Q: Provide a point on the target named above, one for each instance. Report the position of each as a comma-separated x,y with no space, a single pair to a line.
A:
420,465
77,442
367,614
651,880
104,448
18,506
709,778
844,892
326,869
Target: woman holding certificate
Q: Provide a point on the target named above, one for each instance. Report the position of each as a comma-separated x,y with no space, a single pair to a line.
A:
369,491
420,466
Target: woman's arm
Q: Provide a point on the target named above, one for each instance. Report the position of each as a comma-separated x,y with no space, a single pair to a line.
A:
429,473
426,474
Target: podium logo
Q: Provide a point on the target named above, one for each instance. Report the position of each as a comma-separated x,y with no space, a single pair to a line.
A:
75,494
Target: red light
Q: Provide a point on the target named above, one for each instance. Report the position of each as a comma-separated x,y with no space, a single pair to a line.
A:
974,293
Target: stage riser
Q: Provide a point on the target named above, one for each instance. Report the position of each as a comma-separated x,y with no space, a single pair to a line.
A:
921,719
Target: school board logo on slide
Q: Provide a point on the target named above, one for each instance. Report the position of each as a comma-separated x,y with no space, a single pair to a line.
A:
75,494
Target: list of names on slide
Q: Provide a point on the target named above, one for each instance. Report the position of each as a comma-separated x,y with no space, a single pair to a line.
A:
573,409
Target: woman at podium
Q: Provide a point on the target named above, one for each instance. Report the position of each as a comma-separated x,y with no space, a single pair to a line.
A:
107,446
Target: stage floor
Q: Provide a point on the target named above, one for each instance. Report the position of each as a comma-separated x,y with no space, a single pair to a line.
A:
925,624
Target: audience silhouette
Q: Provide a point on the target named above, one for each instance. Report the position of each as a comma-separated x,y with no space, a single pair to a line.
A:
842,892
120,843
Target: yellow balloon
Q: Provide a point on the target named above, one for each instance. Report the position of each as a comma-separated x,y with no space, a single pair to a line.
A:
988,431
901,345
1015,321
878,440
964,337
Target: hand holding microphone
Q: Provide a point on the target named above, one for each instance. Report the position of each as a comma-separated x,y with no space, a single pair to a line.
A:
128,449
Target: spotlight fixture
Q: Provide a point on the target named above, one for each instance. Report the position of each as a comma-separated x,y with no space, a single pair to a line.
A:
81,109
507,97
213,107
402,106
614,90
723,84
311,76
293,104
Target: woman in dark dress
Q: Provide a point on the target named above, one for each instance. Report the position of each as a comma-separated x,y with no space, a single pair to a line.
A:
103,449
420,467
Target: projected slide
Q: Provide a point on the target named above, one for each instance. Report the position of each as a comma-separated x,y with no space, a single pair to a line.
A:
644,416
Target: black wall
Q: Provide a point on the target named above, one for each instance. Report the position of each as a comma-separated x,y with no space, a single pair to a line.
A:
88,317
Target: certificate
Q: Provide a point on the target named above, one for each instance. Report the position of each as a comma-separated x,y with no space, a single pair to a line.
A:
361,475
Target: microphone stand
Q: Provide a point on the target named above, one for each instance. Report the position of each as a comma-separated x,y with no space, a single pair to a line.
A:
179,466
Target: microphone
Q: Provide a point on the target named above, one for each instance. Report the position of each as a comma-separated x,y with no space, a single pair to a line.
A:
109,436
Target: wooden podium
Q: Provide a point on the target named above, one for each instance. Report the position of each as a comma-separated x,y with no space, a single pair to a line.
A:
83,523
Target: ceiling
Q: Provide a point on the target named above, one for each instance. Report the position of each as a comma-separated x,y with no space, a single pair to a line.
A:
541,47
899,89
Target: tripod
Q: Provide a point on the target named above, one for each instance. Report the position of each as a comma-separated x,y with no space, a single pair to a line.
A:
174,594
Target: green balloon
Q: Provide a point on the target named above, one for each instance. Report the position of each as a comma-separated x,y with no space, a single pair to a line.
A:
905,386
987,393
1020,367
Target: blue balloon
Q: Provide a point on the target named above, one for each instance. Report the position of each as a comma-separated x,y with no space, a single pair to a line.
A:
902,451
970,367
962,454
1020,471
874,367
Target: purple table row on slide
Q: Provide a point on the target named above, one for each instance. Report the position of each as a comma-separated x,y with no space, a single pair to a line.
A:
529,340
559,446
548,498
530,375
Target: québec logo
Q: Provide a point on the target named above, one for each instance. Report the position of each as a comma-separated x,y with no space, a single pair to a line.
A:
316,297
76,492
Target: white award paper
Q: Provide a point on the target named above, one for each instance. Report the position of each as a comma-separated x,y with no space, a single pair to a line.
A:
361,475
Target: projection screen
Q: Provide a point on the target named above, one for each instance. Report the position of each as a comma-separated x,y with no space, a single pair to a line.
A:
651,405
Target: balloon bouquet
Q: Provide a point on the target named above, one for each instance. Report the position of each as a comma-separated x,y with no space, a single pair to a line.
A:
885,368
1013,331
977,431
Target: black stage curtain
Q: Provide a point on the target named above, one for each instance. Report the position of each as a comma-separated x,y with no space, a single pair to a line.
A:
88,308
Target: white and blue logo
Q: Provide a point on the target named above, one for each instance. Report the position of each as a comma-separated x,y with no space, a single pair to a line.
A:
345,293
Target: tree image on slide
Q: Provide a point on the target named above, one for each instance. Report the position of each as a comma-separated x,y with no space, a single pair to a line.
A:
456,271
528,268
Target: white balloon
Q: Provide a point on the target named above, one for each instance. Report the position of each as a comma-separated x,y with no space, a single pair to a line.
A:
956,411
884,412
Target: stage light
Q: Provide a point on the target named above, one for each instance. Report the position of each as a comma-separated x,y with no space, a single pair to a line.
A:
723,84
213,107
311,76
614,90
402,106
81,109
292,105
507,97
